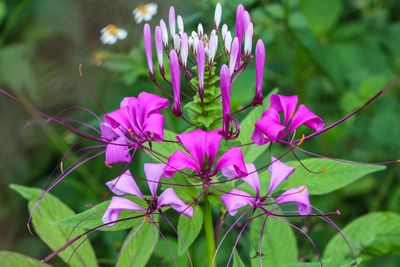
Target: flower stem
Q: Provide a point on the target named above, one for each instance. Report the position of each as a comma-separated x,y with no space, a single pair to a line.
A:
209,229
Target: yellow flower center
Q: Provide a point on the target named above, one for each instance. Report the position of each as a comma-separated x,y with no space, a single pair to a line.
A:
143,9
112,29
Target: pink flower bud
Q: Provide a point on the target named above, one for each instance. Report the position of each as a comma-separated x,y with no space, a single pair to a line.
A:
217,15
159,45
148,46
233,56
260,62
181,27
184,49
171,21
176,83
201,61
164,32
213,46
248,40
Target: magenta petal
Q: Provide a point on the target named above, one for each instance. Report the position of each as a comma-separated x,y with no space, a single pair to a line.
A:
226,83
270,125
236,199
119,117
148,46
304,116
155,125
258,137
201,61
233,156
150,104
178,161
118,151
169,198
176,83
124,184
252,178
118,204
154,172
298,195
279,172
260,64
107,131
285,104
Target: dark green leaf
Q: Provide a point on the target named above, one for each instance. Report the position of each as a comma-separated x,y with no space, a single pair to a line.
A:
378,233
237,261
337,175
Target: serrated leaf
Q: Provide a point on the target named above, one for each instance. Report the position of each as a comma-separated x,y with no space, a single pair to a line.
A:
189,228
278,242
139,249
49,210
11,259
378,233
337,175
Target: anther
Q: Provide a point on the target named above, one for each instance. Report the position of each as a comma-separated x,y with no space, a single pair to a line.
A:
62,166
301,141
145,220
304,188
324,170
80,70
291,114
108,165
398,160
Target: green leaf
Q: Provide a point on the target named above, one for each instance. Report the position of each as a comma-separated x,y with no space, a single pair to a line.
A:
49,210
189,228
278,243
305,264
237,261
166,148
321,15
378,233
337,175
139,249
91,218
11,259
251,152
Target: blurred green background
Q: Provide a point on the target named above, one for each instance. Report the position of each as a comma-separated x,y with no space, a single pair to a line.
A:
334,54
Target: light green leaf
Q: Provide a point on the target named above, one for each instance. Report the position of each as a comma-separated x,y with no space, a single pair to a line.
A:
237,261
189,228
49,210
139,249
278,243
305,264
92,217
251,152
378,233
11,259
321,15
166,148
337,175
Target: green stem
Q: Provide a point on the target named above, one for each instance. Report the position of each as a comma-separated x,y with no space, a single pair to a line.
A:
209,229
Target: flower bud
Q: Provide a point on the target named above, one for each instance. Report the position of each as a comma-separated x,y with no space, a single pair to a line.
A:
184,49
213,46
201,61
260,62
217,15
233,56
181,28
176,83
200,30
159,45
171,21
177,43
248,40
164,32
224,30
148,47
228,42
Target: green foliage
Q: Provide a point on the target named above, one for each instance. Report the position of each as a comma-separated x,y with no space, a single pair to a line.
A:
237,261
139,249
189,228
337,175
278,245
52,209
11,259
378,233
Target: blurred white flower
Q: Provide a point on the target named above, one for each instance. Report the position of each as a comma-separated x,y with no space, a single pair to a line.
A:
145,12
111,33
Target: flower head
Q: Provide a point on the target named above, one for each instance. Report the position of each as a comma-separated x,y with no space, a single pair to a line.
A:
269,127
279,172
203,148
125,184
111,33
145,12
136,121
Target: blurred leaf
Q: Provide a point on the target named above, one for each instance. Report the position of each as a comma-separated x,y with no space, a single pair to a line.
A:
378,233
91,218
371,85
385,128
167,148
140,247
337,175
52,209
237,261
252,152
321,15
14,259
304,264
3,11
278,243
189,228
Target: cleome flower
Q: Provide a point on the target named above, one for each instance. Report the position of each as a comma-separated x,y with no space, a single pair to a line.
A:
203,148
270,129
136,121
111,33
125,184
145,12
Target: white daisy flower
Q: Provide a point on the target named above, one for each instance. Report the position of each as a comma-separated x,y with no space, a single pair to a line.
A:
145,12
111,33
